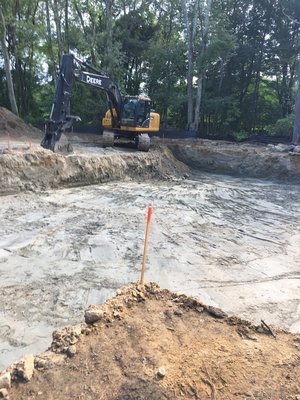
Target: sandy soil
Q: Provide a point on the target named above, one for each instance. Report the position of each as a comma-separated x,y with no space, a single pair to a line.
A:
36,169
14,128
233,243
153,344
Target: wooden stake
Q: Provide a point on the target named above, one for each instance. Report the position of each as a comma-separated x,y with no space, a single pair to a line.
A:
142,280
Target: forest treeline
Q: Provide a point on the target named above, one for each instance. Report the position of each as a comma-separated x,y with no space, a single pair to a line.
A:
219,67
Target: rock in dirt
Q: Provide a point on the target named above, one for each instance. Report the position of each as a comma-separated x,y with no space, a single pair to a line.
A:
63,338
72,350
41,363
48,360
161,373
25,368
296,149
3,394
179,313
93,314
281,147
216,312
5,381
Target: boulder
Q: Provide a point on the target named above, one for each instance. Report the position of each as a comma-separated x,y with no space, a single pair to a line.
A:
93,314
25,368
5,381
3,394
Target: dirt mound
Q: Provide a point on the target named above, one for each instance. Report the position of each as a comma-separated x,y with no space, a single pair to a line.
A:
239,159
38,169
154,344
15,128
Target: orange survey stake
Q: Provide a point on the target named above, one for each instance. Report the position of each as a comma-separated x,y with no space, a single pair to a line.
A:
149,215
142,279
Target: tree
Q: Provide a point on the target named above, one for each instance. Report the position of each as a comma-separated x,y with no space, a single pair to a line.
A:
214,66
205,29
165,67
134,31
51,58
9,81
296,132
190,18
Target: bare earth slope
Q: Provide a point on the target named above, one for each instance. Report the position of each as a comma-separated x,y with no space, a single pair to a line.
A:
39,169
239,159
155,344
15,128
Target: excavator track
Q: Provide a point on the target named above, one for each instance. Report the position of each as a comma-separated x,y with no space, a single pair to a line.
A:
143,142
108,139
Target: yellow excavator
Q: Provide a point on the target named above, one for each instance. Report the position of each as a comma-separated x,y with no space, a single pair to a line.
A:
128,117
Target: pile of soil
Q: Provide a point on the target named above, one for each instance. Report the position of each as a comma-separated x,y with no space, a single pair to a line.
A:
148,343
14,127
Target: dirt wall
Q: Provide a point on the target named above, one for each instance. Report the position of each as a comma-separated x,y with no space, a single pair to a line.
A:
41,169
243,159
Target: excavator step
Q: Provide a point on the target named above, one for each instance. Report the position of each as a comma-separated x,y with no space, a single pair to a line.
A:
108,139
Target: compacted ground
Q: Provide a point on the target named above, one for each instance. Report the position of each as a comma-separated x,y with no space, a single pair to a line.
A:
233,243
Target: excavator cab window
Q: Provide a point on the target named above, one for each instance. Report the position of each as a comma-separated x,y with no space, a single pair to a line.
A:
143,113
129,112
136,112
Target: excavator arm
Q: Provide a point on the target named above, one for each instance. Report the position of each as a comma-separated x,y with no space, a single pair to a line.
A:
72,70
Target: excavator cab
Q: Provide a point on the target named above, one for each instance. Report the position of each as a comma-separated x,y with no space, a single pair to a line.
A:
136,111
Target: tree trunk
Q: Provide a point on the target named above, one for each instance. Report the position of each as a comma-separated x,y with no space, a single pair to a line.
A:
67,45
10,86
201,73
189,41
198,103
58,30
296,133
49,40
109,33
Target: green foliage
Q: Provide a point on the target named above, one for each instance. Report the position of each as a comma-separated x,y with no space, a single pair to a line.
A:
4,102
42,99
89,104
240,136
247,58
134,32
165,71
282,127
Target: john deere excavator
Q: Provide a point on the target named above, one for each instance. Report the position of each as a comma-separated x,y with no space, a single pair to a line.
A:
130,117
